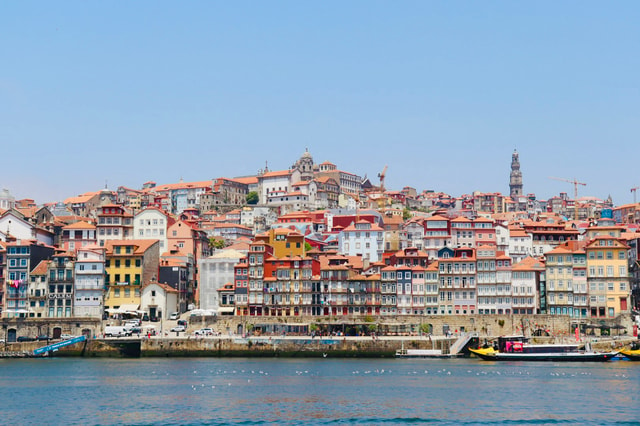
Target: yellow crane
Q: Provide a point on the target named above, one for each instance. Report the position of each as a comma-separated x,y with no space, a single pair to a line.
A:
382,201
381,175
575,192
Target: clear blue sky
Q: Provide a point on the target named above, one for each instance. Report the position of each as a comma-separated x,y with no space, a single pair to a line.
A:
442,92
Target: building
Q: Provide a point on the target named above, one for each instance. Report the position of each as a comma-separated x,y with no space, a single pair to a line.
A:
607,277
22,256
457,269
159,300
39,290
89,282
362,238
114,223
525,282
78,235
61,285
216,271
151,224
128,265
515,177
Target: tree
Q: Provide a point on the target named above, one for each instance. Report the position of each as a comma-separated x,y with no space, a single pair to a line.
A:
406,214
252,197
216,244
307,247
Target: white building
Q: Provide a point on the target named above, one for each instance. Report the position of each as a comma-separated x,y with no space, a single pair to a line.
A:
151,224
520,245
524,281
89,282
215,272
159,300
362,239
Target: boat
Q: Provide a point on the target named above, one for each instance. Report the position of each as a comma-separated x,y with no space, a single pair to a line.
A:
422,353
632,353
516,348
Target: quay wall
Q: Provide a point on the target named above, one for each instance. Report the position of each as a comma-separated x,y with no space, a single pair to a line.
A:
484,325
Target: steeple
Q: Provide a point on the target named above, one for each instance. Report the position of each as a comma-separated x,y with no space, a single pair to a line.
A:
515,179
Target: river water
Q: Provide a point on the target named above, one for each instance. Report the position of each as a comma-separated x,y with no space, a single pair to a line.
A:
212,391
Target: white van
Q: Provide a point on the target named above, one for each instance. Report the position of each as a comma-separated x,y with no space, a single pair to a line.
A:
116,331
174,316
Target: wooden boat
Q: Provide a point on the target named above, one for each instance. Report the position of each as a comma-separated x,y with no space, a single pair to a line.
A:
631,354
515,348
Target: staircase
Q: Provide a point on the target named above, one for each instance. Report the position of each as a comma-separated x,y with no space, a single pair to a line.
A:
462,341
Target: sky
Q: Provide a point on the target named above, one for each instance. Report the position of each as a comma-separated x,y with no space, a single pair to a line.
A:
96,94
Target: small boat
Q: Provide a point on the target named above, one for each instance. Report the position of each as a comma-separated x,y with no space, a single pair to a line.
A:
515,348
422,353
631,354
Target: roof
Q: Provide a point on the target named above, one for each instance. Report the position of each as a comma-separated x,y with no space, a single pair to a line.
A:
141,245
82,198
184,185
79,225
280,173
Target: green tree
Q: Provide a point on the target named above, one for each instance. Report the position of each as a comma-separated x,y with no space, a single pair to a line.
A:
252,197
216,244
406,214
307,247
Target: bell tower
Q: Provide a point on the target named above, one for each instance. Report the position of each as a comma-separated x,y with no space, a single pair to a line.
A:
515,179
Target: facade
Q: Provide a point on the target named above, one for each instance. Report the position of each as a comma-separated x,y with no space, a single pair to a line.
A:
151,224
22,256
525,282
114,223
437,235
89,282
159,300
362,238
216,271
61,286
128,265
607,277
39,291
457,269
78,235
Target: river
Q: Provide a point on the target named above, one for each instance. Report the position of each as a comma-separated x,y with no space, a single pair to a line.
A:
210,391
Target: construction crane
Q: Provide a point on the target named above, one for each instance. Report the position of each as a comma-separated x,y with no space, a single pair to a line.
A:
634,193
382,201
575,192
381,175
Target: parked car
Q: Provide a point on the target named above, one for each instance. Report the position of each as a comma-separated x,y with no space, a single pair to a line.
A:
42,337
183,323
145,317
205,332
174,316
66,336
25,339
179,328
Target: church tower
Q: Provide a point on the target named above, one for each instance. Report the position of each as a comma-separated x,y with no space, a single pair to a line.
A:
305,166
515,180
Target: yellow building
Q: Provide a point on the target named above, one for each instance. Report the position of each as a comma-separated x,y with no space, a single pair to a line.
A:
285,242
607,277
129,265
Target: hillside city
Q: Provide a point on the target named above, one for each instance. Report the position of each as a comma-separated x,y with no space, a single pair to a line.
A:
314,240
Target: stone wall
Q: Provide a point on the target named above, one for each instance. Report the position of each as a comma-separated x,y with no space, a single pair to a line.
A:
484,325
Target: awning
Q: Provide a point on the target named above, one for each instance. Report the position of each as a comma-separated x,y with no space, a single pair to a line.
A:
227,309
123,309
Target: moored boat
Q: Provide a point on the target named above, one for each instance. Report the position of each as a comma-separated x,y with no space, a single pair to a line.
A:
515,348
631,354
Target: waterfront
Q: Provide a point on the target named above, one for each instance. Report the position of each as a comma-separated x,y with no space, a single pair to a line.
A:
199,391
